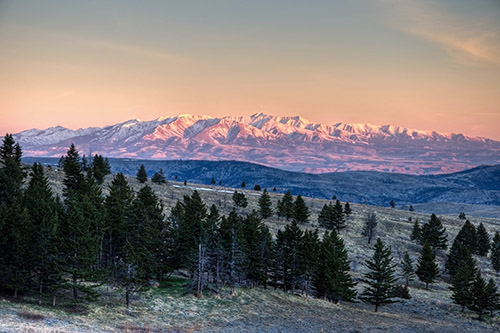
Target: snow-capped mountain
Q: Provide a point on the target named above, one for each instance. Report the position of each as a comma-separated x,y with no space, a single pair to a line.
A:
291,143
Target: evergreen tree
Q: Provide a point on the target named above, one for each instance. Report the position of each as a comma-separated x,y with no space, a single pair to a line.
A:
257,187
257,249
483,241
468,236
457,253
118,211
411,209
308,260
142,175
144,233
73,172
265,205
495,252
42,239
14,219
407,269
392,204
239,199
380,278
479,296
325,217
461,216
287,205
100,168
461,281
338,216
300,210
434,233
11,170
79,245
290,243
158,177
243,185
493,297
333,281
347,210
416,232
427,269
231,234
370,227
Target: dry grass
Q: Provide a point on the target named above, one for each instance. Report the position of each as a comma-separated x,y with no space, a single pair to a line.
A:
257,310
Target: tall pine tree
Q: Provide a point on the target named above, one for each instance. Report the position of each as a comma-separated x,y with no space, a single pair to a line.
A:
427,269
380,278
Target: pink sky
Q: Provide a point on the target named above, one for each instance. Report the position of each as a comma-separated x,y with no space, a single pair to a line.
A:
406,63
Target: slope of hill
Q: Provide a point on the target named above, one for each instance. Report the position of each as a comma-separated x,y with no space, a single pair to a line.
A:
478,186
291,143
257,310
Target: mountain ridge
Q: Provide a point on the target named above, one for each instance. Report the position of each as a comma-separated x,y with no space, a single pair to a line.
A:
291,143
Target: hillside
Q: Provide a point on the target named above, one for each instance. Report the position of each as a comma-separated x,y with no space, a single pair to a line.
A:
475,191
291,143
249,310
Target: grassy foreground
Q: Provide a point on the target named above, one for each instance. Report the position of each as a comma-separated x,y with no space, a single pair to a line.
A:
169,309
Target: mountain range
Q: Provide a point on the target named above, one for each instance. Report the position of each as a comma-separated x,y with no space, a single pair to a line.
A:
289,143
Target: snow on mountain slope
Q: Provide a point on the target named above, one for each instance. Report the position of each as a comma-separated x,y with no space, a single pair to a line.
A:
292,143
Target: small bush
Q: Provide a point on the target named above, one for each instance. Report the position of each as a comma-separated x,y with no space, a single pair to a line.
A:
402,291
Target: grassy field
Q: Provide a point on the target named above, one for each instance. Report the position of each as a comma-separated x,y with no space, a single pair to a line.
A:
168,308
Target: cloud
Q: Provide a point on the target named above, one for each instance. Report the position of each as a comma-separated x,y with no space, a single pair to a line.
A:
469,38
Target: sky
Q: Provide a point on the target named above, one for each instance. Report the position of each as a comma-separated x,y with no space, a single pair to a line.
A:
431,65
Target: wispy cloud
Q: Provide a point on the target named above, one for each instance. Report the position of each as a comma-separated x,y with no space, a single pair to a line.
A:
471,39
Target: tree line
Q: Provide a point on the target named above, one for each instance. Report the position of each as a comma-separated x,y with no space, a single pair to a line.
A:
67,246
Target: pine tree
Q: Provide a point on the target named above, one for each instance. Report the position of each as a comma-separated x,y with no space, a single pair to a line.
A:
158,177
325,217
265,205
392,204
380,278
483,241
308,260
231,235
479,296
11,170
292,236
468,236
370,227
434,233
461,216
118,211
79,245
144,232
411,209
243,185
347,210
333,281
100,168
43,212
257,245
407,269
142,175
15,223
73,172
461,281
416,232
495,252
457,253
300,210
287,205
239,199
493,297
338,216
427,269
